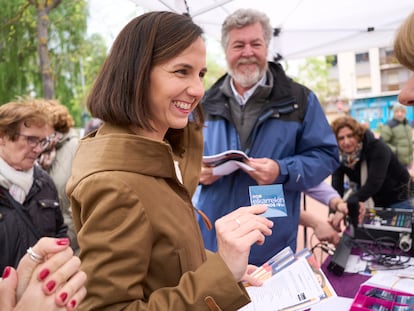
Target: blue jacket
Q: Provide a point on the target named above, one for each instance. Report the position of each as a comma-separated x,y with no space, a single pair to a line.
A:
291,129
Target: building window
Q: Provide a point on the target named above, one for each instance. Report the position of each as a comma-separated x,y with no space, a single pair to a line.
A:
363,84
389,52
390,80
387,56
362,57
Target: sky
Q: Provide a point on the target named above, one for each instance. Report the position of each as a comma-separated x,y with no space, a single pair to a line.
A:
108,17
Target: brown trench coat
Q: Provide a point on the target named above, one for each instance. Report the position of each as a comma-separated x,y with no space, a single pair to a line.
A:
140,242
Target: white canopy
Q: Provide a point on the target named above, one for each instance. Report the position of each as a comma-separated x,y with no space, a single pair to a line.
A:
306,27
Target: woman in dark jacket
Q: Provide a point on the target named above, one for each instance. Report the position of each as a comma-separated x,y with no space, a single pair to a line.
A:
29,203
387,180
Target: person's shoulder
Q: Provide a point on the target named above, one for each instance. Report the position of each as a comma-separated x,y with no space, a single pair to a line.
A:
40,174
369,139
277,70
284,84
71,138
45,182
373,144
72,141
216,95
392,123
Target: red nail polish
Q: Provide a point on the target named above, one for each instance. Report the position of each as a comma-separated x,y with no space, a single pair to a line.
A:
63,296
50,285
63,241
43,274
73,304
6,272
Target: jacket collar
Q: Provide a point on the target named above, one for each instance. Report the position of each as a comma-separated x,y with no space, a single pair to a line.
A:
278,89
106,150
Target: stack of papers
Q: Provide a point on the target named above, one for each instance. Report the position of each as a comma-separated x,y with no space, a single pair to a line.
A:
227,162
399,277
293,282
401,280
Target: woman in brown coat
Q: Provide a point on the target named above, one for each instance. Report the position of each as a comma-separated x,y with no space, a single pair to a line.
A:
132,181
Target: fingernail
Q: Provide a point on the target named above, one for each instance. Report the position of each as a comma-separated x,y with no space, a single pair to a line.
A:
6,272
43,274
63,296
63,241
73,304
51,285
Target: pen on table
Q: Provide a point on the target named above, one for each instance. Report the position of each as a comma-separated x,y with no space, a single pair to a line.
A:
406,275
302,304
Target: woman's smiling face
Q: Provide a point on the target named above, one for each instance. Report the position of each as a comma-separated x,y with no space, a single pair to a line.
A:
176,88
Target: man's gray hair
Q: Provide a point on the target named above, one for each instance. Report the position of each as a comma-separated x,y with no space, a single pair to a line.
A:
242,18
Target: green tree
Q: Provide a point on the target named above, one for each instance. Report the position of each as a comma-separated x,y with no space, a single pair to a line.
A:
44,51
314,73
214,71
216,66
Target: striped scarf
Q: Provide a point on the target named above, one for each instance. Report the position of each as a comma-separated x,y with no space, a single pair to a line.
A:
350,159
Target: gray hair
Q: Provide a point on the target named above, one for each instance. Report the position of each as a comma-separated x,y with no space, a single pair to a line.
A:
398,106
242,18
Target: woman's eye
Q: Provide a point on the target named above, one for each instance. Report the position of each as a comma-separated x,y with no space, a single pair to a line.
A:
181,71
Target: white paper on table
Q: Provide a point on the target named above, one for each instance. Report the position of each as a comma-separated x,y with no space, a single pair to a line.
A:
333,303
229,167
397,279
355,264
296,285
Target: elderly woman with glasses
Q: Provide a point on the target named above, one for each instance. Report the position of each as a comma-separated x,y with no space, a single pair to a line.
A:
29,202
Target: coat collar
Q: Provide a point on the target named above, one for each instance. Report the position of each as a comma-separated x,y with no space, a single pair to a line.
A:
117,148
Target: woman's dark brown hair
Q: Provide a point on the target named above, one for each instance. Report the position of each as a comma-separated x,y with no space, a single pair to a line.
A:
120,93
346,121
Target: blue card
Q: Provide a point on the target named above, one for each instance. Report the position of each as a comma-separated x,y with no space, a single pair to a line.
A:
272,196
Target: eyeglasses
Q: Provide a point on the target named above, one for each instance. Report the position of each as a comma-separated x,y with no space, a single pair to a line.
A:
34,141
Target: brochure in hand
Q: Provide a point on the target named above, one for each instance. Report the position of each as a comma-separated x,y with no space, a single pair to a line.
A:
227,162
272,196
291,282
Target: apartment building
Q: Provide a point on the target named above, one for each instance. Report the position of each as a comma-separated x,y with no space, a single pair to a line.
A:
370,82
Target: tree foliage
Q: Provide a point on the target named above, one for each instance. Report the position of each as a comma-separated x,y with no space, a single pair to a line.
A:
58,62
216,66
214,71
314,73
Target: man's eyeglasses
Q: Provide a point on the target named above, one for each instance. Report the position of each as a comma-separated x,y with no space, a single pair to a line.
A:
34,141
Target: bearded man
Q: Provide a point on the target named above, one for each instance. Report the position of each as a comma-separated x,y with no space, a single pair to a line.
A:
278,123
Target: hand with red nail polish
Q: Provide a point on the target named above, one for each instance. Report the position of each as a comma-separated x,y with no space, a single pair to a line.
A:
55,284
45,247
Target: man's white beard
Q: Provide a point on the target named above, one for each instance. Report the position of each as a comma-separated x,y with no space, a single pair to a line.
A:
248,79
